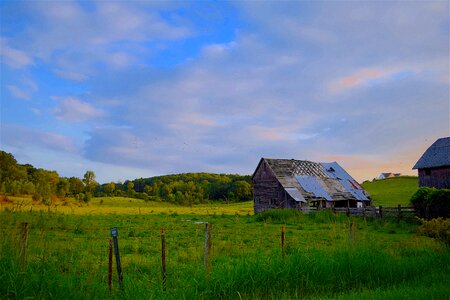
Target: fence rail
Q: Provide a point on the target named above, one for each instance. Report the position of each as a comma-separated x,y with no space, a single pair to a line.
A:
374,211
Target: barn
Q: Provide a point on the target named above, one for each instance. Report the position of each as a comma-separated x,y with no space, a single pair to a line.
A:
290,183
434,165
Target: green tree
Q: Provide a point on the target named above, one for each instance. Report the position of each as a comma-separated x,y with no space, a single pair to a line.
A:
130,187
89,181
242,190
62,187
110,188
76,186
28,188
9,169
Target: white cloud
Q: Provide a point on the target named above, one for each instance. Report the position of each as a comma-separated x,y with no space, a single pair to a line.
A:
71,75
21,137
281,88
18,93
71,109
14,58
68,32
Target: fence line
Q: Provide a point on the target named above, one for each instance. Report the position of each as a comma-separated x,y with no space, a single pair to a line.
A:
374,211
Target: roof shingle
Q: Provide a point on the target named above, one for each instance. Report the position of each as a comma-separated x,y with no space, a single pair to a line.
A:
437,155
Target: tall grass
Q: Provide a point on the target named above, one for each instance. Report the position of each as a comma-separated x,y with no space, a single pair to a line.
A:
67,257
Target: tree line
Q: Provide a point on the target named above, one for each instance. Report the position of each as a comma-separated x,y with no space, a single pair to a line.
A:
42,185
184,189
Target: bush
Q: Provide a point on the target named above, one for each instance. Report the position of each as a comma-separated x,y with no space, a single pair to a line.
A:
436,228
431,203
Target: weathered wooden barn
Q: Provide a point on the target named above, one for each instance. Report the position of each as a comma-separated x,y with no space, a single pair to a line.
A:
434,165
290,183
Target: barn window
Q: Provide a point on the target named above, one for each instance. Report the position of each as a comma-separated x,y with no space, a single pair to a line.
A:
427,172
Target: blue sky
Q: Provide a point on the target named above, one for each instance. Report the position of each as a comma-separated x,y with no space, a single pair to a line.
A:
137,89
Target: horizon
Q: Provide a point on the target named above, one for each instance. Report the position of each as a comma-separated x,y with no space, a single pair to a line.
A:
143,89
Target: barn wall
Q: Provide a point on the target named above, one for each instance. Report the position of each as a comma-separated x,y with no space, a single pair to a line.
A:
436,177
267,191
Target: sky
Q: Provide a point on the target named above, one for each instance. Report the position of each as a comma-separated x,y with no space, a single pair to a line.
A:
134,89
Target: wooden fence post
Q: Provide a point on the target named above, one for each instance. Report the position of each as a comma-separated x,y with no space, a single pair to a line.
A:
114,235
351,235
163,258
208,246
283,230
348,208
23,245
110,263
381,212
399,213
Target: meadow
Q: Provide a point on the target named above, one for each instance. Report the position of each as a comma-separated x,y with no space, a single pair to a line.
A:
392,191
67,254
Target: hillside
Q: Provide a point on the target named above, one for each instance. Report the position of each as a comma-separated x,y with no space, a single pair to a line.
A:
392,191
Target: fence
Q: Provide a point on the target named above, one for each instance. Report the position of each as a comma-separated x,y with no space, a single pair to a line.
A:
182,244
398,212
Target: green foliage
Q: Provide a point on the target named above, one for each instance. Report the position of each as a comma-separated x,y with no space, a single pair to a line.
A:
110,188
76,186
185,189
438,228
89,181
391,191
431,203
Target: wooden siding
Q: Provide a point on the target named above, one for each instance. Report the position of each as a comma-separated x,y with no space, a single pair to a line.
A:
268,192
435,177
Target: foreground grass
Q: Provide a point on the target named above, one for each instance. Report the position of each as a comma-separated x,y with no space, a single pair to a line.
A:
67,257
392,191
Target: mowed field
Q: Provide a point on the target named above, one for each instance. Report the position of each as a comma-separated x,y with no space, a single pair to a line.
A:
67,253
392,191
123,206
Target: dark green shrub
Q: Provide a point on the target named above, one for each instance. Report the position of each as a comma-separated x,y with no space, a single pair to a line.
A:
436,228
431,203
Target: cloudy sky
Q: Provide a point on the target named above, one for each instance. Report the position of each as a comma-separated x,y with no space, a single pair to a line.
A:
137,89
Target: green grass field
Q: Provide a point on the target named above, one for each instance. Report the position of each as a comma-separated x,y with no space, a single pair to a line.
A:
124,206
67,256
392,191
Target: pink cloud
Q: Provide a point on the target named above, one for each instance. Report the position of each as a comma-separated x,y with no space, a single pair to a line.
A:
197,119
363,77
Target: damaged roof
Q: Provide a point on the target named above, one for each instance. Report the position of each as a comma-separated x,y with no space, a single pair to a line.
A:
437,155
312,181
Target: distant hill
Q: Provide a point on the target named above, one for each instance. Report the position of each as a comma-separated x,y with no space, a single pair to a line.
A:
392,191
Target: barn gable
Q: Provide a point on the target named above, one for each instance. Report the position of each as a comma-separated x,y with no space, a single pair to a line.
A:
434,165
437,155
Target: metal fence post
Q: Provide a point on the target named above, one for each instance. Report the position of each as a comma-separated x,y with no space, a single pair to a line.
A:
114,235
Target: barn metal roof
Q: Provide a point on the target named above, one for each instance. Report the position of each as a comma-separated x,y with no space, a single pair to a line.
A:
295,194
315,181
337,172
437,155
313,185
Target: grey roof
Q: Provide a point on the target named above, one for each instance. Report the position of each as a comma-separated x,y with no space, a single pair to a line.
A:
437,155
315,181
